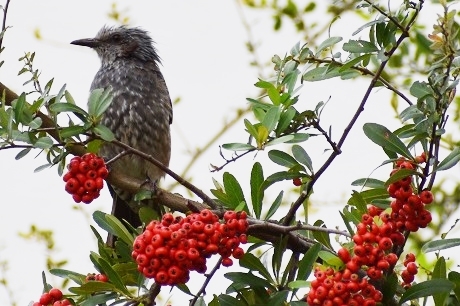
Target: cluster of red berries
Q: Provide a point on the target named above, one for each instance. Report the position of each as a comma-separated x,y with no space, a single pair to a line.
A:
97,277
411,270
341,288
169,249
85,177
376,234
408,210
54,297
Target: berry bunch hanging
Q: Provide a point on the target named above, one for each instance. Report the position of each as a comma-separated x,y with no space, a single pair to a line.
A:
376,234
53,297
85,177
169,249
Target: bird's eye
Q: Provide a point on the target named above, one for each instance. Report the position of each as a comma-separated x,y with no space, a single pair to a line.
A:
116,37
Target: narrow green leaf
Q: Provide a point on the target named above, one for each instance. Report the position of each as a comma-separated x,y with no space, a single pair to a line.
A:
400,174
386,139
92,287
455,278
426,288
104,102
76,277
320,74
271,118
278,140
238,146
369,182
302,157
322,237
439,272
358,201
93,100
257,193
282,158
67,107
42,167
450,160
249,279
44,143
114,277
359,46
233,190
277,177
36,123
307,262
104,132
330,259
112,225
251,262
438,245
299,284
285,119
71,131
275,205
329,42
251,128
22,153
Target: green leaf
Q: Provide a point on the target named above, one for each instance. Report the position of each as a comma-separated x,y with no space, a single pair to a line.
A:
455,278
450,160
44,143
358,201
275,205
42,167
285,120
249,279
92,287
67,107
439,272
438,245
278,140
329,42
302,157
359,46
251,128
257,193
71,131
233,190
279,176
321,73
386,139
76,277
100,299
307,262
228,300
426,288
102,103
113,276
271,118
282,158
104,132
22,153
400,174
251,262
112,225
330,259
369,182
299,284
322,237
374,194
238,146
36,123
420,90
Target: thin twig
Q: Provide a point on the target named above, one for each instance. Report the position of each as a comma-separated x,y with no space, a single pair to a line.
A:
5,12
206,282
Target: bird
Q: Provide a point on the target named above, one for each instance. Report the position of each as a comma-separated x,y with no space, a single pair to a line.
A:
140,113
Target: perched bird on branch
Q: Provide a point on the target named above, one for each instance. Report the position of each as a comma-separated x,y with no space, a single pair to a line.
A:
140,113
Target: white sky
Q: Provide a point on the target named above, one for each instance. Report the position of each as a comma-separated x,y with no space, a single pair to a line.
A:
205,63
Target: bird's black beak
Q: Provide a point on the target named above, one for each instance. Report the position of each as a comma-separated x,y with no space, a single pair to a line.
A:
87,42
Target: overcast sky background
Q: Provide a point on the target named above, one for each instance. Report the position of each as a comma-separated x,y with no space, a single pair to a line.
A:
205,63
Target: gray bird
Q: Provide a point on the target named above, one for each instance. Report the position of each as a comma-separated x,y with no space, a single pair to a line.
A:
140,113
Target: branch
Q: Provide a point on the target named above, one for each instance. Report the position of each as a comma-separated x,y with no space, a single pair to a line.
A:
5,12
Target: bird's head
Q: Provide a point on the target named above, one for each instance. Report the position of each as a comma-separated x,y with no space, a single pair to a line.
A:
112,43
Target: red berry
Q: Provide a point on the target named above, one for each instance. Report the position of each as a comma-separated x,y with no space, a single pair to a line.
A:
102,172
72,185
426,197
344,255
297,181
55,293
412,268
238,253
227,262
46,299
102,278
